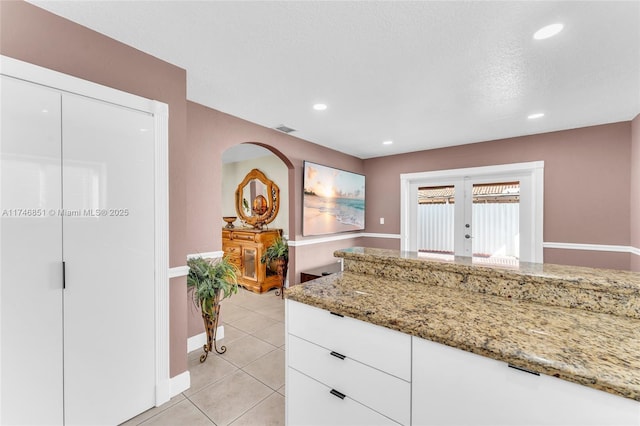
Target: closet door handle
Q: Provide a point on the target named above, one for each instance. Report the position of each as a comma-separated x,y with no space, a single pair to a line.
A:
336,393
64,275
337,355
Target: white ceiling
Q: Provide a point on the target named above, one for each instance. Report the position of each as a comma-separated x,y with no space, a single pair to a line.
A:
424,74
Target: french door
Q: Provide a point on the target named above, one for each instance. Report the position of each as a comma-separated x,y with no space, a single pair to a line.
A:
492,214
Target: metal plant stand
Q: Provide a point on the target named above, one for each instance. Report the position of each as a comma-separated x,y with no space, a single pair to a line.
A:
211,327
282,264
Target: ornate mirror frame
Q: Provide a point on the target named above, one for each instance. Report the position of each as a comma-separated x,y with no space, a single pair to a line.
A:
272,199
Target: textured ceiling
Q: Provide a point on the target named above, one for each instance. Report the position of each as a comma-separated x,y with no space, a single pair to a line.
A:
423,74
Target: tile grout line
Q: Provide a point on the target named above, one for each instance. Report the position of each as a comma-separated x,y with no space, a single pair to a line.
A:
199,409
252,407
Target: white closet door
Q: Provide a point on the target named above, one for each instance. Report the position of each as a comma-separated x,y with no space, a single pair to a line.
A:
108,198
30,255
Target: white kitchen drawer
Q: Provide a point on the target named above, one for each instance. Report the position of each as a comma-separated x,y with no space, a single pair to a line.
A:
311,403
380,391
385,349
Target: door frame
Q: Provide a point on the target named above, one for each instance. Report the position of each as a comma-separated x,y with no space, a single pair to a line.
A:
530,174
160,111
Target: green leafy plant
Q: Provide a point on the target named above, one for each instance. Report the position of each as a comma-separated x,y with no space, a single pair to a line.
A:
279,249
211,281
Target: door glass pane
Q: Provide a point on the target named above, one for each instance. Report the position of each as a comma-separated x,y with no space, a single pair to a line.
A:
436,206
495,230
250,263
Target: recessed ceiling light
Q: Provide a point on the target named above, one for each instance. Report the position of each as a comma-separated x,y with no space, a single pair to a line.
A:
536,115
387,142
320,107
548,31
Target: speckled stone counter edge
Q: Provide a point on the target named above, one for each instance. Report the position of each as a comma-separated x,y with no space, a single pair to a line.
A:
460,320
596,290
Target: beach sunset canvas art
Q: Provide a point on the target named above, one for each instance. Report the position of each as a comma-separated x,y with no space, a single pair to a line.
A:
333,200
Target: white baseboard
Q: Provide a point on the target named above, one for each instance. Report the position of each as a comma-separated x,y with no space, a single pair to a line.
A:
180,383
198,341
589,247
163,391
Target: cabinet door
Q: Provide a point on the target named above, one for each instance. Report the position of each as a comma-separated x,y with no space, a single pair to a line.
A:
30,255
454,387
250,263
108,195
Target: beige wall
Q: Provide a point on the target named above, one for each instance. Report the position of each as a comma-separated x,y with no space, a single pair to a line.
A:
274,169
635,192
587,182
210,133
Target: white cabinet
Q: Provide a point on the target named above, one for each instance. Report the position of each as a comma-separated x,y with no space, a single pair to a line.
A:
455,387
77,180
345,371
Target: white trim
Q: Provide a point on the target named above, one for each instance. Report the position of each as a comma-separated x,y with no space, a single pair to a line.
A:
592,247
341,237
311,241
178,271
180,383
507,169
199,340
183,271
207,255
374,235
161,118
46,77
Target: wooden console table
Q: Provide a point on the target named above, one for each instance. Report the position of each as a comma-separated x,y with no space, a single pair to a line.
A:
320,271
244,247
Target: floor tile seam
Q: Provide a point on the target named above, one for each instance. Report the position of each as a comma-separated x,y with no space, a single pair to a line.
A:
208,385
275,390
160,410
200,409
262,356
257,337
251,408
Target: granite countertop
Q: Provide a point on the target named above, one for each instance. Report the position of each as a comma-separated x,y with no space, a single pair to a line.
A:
595,349
597,290
609,279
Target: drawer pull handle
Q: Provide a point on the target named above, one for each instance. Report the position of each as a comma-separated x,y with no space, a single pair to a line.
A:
515,367
336,314
337,355
338,394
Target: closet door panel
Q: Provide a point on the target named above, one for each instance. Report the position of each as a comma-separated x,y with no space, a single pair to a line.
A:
30,255
108,199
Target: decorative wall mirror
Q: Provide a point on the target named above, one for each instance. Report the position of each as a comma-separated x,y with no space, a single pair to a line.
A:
257,199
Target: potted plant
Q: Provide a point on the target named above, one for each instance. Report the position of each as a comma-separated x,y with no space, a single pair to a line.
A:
278,252
210,281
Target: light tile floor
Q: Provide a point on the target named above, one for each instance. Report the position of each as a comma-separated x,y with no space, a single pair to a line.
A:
245,385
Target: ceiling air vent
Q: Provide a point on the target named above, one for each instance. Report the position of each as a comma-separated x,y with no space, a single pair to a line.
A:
284,129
